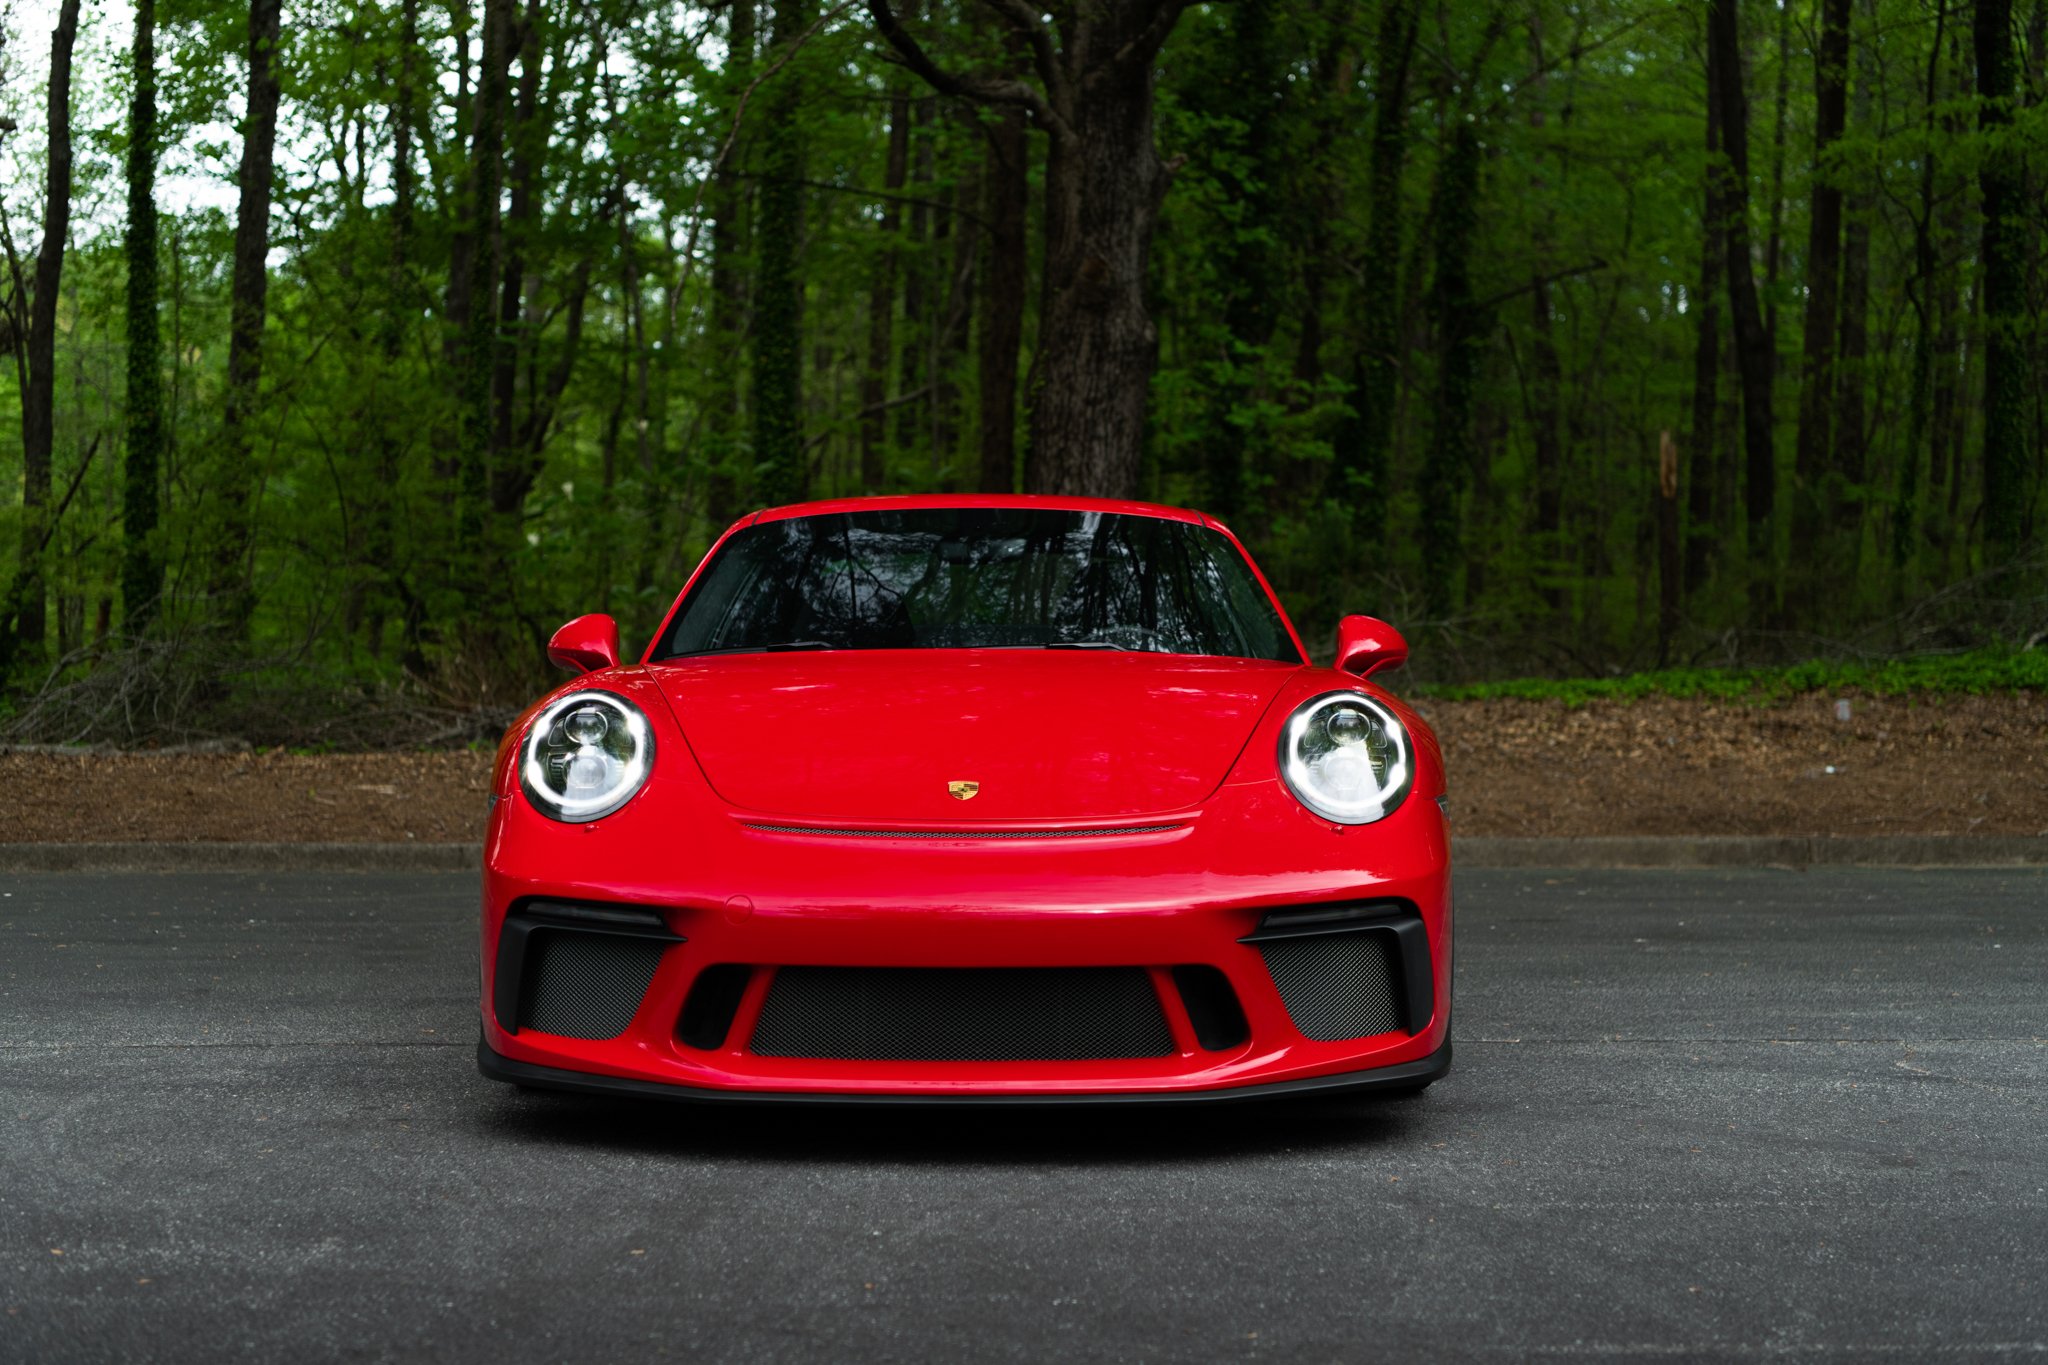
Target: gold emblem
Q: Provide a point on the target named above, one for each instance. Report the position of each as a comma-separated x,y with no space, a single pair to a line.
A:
962,791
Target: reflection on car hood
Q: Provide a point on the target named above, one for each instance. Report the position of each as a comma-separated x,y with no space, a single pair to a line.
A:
1044,734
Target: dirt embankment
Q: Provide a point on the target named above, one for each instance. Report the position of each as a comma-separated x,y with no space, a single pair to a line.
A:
1955,765
1961,765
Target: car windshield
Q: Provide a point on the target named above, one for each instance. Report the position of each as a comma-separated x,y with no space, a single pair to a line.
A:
980,577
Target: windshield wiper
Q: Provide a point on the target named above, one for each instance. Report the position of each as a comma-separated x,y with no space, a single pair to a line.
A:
1087,644
777,647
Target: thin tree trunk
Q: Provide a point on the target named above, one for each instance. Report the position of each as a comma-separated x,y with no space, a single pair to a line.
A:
956,325
400,304
1455,219
1248,263
1774,234
24,619
724,485
248,297
1670,573
913,356
1851,436
2001,181
1752,341
1005,266
1360,474
1702,532
1814,456
141,564
1547,370
1920,289
874,392
478,444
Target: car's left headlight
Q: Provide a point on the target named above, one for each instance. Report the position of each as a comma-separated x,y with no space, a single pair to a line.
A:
1347,757
586,755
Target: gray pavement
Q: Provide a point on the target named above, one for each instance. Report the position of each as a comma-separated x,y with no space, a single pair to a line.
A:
1706,1114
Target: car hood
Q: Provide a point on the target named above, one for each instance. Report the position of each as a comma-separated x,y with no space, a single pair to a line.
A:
1046,735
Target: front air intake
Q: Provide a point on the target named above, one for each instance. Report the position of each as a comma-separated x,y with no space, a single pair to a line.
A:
1336,986
576,970
586,985
1350,971
981,1014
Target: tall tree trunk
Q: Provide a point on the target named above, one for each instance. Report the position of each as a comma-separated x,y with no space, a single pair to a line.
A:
1546,369
1859,211
141,566
1248,265
778,309
1360,474
1702,533
1752,342
1455,218
1090,378
2001,181
914,354
249,293
400,303
956,324
874,391
526,145
1006,264
724,484
1815,460
26,617
476,364
1920,289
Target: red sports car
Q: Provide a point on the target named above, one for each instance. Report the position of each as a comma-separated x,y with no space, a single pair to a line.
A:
973,799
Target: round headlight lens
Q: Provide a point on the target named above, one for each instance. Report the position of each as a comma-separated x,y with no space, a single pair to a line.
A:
1347,758
586,755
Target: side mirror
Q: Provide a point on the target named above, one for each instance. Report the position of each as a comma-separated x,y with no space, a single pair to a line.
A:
1367,645
586,644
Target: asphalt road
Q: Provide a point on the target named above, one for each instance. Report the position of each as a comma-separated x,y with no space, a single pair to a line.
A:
1694,1114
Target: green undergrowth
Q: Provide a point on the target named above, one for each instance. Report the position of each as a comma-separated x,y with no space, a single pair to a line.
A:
1976,673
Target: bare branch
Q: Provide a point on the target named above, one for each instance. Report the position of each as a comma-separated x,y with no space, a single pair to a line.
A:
1552,278
979,89
1023,18
1140,50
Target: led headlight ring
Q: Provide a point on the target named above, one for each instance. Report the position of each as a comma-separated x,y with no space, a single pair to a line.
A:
1347,757
585,756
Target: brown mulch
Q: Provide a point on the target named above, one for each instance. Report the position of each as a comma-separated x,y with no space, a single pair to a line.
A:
1959,765
1948,765
245,797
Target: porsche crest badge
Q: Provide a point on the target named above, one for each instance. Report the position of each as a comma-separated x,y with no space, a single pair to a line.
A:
962,791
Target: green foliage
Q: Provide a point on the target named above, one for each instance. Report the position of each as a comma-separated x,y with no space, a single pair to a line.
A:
1979,672
1425,280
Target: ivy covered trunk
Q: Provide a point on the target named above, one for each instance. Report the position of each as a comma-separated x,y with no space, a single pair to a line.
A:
141,569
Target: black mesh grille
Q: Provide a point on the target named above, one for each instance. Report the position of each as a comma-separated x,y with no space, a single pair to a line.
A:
991,1014
1337,986
581,985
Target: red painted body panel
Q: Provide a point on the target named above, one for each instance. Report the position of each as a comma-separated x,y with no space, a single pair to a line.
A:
875,736
1058,739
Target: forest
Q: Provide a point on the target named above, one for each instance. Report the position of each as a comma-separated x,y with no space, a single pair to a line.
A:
356,346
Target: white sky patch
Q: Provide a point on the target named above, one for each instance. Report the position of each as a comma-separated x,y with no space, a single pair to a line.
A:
186,180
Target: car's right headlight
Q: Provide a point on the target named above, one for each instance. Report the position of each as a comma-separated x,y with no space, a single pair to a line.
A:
1347,757
586,755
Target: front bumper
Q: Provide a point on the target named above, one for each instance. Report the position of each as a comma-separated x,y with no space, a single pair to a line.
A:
1184,894
1397,1079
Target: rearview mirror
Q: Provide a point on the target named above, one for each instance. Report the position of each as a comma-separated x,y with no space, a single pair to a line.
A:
1367,645
586,644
